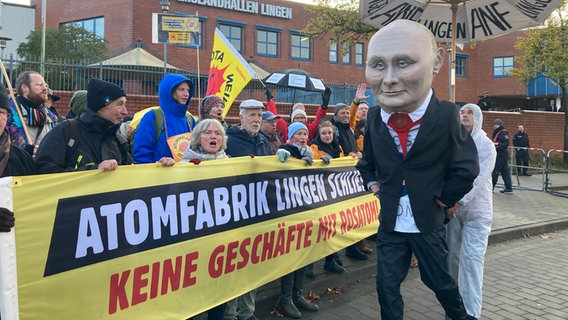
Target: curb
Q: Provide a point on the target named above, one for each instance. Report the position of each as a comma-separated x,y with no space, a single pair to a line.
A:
356,271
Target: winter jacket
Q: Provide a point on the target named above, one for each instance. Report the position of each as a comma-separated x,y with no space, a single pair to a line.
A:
97,141
145,148
521,139
20,163
501,142
321,149
345,136
478,202
282,125
239,143
41,119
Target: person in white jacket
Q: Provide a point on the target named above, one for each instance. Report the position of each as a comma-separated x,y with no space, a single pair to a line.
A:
468,230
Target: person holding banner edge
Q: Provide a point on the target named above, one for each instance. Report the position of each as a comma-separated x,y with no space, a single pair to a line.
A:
14,161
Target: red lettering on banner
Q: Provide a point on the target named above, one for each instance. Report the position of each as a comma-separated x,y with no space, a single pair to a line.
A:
359,216
327,227
138,283
163,273
244,253
216,262
255,259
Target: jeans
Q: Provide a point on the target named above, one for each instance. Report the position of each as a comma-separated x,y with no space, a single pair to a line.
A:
467,243
241,308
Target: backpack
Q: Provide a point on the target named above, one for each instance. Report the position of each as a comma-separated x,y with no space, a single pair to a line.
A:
159,124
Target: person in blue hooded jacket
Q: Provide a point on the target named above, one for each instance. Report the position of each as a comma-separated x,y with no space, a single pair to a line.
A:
175,94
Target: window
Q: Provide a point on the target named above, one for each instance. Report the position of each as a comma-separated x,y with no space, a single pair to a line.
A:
300,46
333,51
94,25
359,58
461,62
267,41
501,65
346,53
233,31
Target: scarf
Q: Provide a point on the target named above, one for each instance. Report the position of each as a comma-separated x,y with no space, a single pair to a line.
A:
202,155
304,151
34,116
332,149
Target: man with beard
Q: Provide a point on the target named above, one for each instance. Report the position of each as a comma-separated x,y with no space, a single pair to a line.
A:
32,94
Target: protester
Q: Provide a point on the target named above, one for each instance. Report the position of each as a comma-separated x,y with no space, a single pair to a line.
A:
484,103
208,142
325,147
468,232
418,160
292,284
32,94
501,141
211,107
244,139
299,113
77,104
357,113
13,160
521,141
346,139
162,131
91,141
268,129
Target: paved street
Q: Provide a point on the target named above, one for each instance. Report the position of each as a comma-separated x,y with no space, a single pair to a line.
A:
524,279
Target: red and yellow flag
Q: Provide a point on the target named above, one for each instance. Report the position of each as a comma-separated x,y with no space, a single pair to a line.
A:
229,73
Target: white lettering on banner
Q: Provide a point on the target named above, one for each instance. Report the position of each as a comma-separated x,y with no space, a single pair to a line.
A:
246,6
208,209
487,16
295,191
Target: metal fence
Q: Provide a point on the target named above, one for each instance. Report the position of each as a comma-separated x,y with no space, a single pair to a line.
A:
144,80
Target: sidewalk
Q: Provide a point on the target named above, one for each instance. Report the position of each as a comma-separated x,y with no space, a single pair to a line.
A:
516,215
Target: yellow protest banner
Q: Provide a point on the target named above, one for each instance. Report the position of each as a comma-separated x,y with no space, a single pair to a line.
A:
152,242
229,73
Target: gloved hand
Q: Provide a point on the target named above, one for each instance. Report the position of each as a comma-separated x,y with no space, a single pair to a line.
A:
283,155
268,93
325,159
325,97
308,160
6,220
195,161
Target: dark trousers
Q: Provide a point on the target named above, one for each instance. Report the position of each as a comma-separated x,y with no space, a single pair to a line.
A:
394,252
522,158
502,167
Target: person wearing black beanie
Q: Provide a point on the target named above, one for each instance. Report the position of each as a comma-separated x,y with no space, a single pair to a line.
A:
89,141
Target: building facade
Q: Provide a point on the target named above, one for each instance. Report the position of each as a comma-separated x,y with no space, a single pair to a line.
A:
270,33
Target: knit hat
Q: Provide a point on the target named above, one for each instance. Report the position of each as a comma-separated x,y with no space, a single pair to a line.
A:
100,93
208,103
78,102
298,105
498,122
297,112
294,127
338,107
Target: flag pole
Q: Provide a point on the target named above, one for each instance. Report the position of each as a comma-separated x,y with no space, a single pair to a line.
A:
198,68
9,83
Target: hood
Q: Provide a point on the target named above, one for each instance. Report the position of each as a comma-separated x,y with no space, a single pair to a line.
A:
478,117
167,102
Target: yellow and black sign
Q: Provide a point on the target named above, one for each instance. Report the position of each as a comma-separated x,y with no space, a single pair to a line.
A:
176,29
146,241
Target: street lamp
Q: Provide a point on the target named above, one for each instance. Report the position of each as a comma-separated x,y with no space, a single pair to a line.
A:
165,4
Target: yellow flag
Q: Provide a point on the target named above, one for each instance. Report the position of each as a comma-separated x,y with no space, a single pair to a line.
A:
229,73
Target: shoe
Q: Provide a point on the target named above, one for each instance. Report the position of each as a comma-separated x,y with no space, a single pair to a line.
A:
252,317
309,270
301,303
338,260
354,253
364,247
507,191
333,267
527,174
286,307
